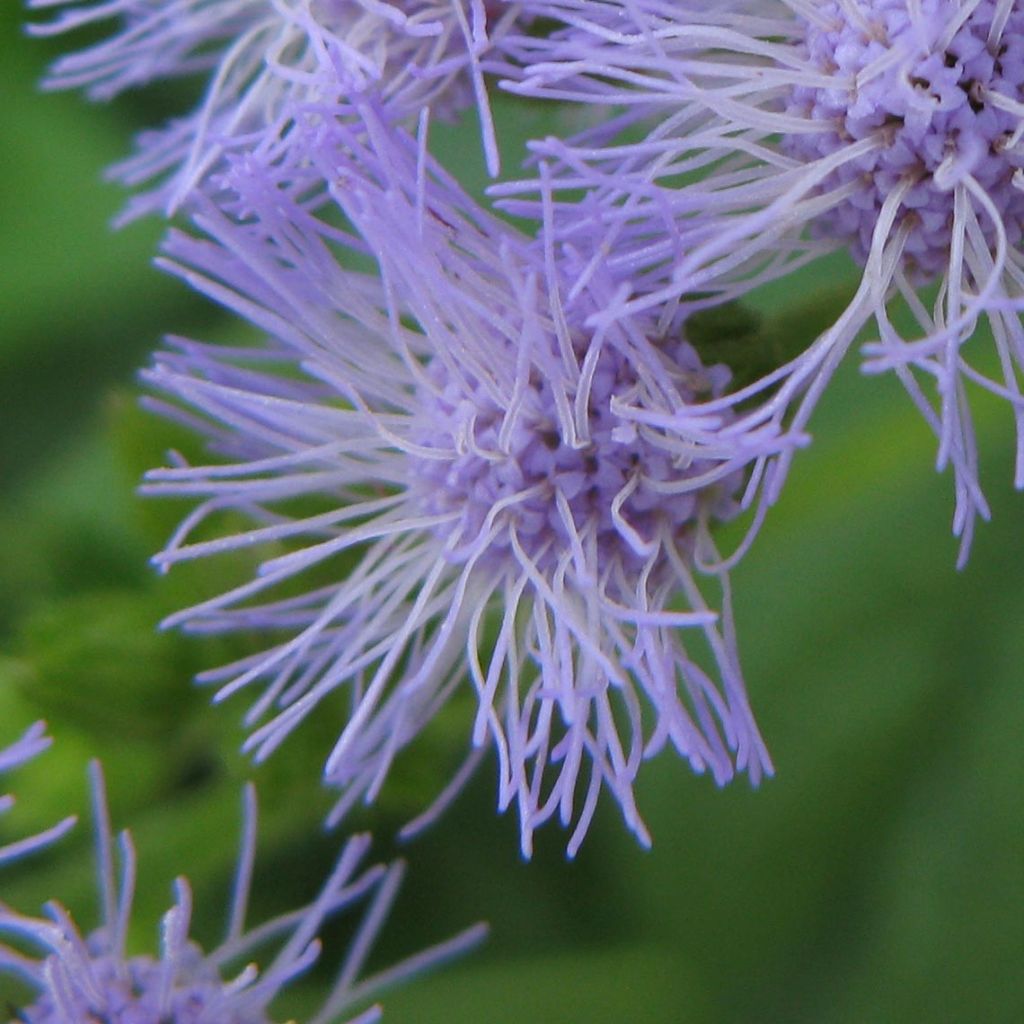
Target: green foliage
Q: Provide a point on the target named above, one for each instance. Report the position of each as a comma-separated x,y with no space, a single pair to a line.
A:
753,344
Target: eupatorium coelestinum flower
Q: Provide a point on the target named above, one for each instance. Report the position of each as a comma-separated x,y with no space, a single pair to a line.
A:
258,56
754,135
31,743
81,979
486,493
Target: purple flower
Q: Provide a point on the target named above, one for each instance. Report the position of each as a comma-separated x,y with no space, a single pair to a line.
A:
259,56
771,132
476,487
80,979
32,743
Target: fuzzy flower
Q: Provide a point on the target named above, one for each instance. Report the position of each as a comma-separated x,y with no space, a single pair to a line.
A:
743,138
32,743
258,56
81,979
438,450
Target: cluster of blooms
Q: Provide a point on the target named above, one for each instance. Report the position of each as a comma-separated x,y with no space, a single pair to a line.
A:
494,459
265,58
520,517
756,135
79,979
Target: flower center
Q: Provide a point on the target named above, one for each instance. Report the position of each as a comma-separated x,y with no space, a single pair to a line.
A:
133,992
614,490
941,94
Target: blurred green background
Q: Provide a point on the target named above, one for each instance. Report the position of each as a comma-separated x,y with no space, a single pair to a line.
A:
878,877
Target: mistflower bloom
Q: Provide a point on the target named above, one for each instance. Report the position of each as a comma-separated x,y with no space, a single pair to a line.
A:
83,978
475,508
28,746
773,131
259,56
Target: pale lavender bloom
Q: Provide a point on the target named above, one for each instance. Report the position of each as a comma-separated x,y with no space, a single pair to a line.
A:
80,979
31,743
477,489
773,131
259,56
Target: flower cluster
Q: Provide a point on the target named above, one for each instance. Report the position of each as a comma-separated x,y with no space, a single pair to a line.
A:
496,462
752,136
520,520
80,978
262,57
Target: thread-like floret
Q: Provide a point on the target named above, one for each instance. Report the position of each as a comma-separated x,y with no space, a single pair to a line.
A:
31,743
943,104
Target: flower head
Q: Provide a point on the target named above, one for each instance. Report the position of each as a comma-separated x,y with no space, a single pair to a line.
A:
773,131
31,743
934,98
260,56
496,502
80,979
